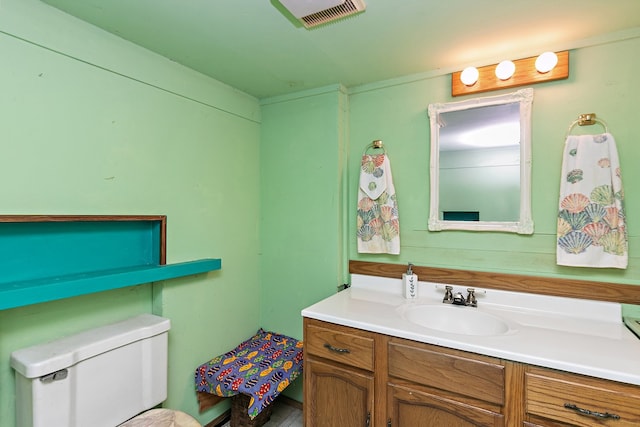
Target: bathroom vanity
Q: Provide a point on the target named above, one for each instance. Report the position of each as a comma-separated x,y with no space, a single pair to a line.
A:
373,358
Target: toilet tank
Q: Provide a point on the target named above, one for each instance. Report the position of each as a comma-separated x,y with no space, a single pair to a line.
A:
98,378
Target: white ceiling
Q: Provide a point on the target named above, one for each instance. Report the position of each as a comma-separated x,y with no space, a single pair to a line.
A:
258,47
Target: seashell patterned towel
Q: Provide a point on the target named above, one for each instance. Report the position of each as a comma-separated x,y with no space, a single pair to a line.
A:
377,221
591,220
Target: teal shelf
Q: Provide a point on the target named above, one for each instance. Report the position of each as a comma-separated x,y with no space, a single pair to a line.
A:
52,257
27,292
36,250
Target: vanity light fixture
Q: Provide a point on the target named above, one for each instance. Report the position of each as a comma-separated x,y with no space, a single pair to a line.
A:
536,69
469,76
505,70
546,62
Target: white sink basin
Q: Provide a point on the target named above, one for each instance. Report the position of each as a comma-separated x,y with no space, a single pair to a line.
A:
456,320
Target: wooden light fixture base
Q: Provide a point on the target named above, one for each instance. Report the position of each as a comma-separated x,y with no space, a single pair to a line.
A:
525,74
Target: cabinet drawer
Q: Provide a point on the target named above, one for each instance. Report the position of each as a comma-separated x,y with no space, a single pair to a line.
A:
342,344
410,407
470,375
548,391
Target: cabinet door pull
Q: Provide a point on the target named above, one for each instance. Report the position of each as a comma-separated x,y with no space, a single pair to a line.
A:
336,349
389,422
591,413
368,419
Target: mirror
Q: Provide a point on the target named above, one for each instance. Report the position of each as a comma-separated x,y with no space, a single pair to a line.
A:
481,164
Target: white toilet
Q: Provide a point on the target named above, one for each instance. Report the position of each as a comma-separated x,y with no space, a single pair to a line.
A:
99,378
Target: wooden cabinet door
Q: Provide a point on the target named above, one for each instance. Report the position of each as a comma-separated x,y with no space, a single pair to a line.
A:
337,396
412,408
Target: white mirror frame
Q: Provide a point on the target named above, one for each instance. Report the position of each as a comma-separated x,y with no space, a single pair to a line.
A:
525,224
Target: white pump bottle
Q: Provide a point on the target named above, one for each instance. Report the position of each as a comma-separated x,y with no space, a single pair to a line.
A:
410,283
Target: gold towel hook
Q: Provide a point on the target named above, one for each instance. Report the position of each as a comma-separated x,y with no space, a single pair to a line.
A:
587,119
376,144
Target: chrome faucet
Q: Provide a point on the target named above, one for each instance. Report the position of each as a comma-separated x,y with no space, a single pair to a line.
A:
458,298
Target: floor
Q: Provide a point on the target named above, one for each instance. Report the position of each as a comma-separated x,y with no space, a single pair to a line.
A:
283,415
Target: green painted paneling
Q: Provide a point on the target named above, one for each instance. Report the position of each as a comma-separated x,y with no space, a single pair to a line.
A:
96,126
302,154
33,21
297,259
602,80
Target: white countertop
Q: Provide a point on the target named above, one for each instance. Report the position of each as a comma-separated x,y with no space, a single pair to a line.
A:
579,336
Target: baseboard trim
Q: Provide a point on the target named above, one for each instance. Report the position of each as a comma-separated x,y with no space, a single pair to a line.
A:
289,401
221,419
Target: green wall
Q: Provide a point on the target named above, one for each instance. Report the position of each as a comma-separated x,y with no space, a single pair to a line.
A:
302,162
95,125
602,80
302,203
303,156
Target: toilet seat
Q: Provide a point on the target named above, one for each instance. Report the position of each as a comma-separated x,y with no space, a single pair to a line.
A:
162,418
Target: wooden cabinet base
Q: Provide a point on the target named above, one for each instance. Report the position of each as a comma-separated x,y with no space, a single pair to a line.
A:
359,378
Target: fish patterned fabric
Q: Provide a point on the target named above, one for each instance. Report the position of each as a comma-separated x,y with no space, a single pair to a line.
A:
377,221
591,221
260,367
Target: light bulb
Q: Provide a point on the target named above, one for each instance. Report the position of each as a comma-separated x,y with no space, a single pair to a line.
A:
469,76
505,70
546,62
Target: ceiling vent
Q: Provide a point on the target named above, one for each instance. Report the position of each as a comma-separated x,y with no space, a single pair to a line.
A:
313,13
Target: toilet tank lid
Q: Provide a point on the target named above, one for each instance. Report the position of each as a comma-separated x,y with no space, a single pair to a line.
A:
43,359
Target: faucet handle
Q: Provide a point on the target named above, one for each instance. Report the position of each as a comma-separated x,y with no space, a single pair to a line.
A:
448,294
471,297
